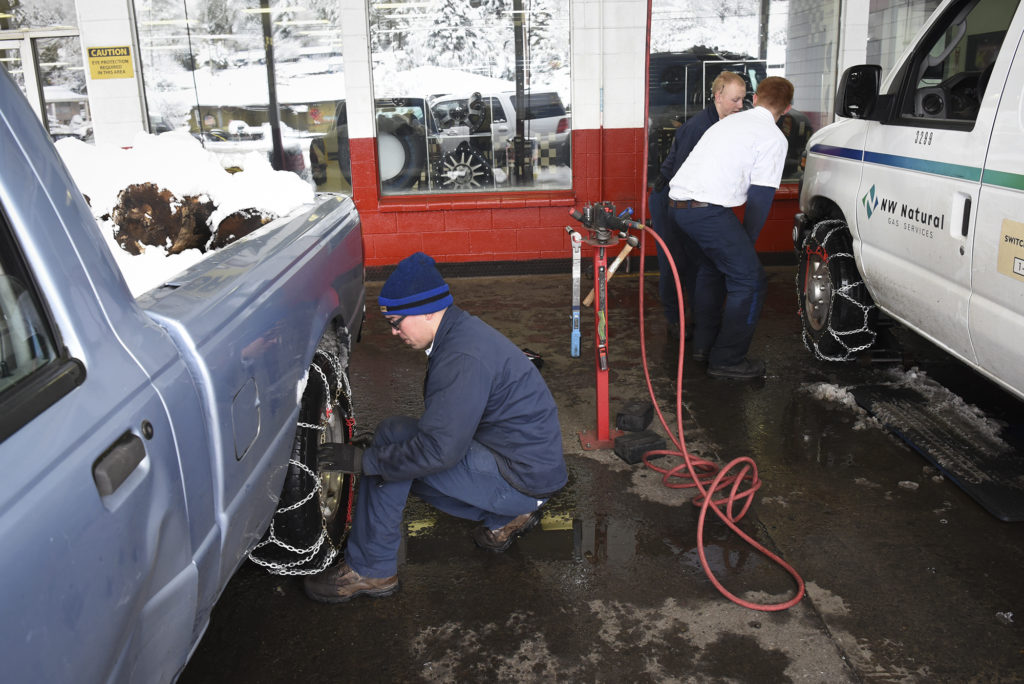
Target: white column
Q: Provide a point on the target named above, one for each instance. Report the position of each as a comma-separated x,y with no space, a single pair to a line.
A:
609,50
853,33
812,52
625,56
116,103
586,64
355,48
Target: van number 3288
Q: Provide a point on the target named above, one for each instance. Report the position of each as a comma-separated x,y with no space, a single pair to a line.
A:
923,137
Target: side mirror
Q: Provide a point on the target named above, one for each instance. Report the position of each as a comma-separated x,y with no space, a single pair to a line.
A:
858,91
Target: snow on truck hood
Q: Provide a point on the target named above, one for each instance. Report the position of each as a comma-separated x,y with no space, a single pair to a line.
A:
177,162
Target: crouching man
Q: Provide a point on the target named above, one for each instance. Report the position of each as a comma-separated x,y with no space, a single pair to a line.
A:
488,446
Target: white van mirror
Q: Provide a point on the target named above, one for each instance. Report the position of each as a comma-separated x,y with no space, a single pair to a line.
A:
858,91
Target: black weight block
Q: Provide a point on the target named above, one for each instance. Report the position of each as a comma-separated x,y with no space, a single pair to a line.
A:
631,446
635,416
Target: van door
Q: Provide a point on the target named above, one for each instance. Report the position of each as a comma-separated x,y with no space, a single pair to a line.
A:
997,299
922,172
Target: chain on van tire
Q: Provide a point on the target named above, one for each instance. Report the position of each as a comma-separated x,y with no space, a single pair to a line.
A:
839,317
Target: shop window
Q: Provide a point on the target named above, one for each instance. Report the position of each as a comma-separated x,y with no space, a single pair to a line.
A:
692,41
205,70
39,48
471,96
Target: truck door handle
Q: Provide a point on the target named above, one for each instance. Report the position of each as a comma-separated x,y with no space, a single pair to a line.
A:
115,465
966,223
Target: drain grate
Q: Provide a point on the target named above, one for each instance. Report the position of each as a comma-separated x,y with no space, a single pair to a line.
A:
960,444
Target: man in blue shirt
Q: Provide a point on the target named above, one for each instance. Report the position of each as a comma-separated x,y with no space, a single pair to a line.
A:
728,90
488,446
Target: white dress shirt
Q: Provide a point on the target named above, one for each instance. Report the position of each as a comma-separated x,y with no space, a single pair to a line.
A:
741,150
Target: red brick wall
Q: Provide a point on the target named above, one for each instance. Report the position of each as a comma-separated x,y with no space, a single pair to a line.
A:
511,226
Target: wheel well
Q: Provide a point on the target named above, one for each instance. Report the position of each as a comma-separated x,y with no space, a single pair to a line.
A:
823,209
819,209
340,332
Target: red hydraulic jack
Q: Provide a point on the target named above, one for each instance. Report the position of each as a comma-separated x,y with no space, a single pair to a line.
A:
604,229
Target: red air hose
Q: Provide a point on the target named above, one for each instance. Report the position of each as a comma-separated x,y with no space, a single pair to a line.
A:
739,476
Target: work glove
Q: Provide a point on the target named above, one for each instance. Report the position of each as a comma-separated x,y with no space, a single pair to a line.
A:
345,458
660,182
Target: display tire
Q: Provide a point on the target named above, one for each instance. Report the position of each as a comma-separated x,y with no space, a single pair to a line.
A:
464,168
318,161
838,316
344,155
414,146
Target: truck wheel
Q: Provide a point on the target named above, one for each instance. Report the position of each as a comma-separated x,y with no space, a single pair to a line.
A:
838,315
315,506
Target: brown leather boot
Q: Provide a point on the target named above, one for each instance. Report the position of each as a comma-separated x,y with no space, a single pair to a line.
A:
341,583
500,539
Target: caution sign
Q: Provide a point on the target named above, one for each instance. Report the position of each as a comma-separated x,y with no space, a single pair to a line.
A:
110,62
1011,250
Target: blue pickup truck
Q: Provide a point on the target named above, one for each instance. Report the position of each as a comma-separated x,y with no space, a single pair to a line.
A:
149,444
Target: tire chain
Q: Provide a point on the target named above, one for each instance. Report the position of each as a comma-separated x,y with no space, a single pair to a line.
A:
342,389
844,292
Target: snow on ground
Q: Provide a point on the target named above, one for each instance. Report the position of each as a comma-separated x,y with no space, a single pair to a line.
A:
177,162
841,395
938,398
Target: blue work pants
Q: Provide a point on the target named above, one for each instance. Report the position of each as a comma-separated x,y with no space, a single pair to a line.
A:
730,284
472,489
666,229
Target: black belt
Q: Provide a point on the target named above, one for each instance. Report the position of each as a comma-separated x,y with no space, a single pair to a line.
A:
687,204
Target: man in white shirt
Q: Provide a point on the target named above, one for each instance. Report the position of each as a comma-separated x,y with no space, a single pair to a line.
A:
738,161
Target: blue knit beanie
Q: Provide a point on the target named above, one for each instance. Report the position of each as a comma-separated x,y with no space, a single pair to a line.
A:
415,287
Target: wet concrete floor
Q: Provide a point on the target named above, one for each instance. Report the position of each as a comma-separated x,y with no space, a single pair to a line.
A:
907,578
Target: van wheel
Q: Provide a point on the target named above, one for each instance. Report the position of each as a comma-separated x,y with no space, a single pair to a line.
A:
838,315
315,507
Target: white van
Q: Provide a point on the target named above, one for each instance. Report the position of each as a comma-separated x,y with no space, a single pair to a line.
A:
913,201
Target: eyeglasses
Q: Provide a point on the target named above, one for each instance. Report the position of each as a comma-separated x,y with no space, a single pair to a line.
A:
396,323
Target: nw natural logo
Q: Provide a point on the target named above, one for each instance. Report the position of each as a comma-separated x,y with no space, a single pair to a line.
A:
870,201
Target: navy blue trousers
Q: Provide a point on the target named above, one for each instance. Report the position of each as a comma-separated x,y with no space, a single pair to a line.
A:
472,489
729,291
675,240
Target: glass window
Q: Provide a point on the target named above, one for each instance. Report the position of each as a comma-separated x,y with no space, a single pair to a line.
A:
469,63
41,37
945,81
26,344
10,60
35,371
753,39
64,93
892,25
205,70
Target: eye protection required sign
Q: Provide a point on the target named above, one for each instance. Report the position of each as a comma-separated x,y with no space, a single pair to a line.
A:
110,62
